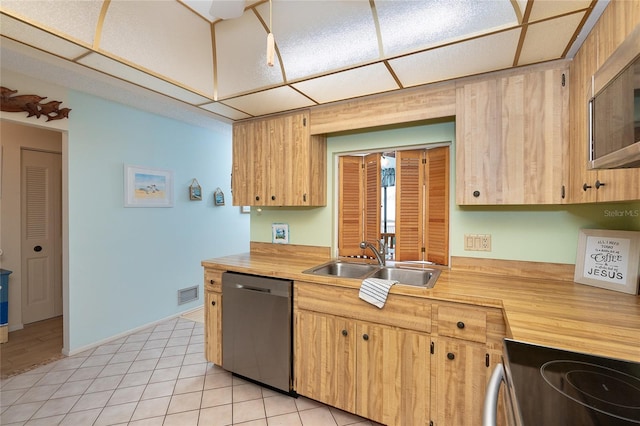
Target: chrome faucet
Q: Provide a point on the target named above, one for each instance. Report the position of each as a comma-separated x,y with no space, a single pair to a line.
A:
380,254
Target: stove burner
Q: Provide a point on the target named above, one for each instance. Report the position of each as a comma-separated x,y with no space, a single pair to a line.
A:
599,388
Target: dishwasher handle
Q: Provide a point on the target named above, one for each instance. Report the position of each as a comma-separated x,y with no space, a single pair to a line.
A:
489,412
246,287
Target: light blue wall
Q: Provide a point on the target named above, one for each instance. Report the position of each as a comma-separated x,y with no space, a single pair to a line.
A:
532,233
127,264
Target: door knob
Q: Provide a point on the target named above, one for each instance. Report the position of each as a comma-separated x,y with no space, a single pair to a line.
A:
460,325
365,336
37,248
344,332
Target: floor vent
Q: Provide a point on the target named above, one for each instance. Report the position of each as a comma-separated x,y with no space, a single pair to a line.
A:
187,295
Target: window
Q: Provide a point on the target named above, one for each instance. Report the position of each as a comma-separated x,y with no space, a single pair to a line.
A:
412,217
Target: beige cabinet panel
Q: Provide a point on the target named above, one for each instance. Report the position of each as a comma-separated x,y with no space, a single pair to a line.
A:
512,136
276,162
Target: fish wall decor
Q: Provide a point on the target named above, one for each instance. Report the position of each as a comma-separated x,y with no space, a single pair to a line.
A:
32,105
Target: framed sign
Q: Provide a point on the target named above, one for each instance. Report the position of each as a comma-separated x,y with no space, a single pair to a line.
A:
608,259
280,233
147,187
218,197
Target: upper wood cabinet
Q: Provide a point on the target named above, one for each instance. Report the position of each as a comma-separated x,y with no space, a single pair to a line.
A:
276,162
512,135
589,185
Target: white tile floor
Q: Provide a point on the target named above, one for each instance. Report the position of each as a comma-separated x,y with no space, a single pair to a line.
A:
157,376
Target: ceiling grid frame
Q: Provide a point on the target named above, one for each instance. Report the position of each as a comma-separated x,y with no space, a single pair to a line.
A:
229,105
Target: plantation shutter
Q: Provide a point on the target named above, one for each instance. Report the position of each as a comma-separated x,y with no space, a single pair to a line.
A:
350,221
409,205
372,203
437,212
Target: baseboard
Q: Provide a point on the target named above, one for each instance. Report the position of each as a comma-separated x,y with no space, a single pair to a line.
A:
67,352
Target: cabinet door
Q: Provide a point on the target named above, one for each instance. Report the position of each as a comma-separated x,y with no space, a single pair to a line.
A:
512,137
460,377
392,375
242,165
213,327
325,356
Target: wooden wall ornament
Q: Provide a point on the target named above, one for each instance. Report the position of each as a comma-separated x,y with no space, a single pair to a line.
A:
32,105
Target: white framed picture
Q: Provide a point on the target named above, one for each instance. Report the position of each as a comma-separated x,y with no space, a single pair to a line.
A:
147,187
609,259
280,233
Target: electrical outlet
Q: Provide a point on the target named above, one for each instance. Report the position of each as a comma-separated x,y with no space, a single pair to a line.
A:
485,242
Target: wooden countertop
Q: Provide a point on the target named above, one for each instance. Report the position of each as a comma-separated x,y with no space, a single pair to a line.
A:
548,312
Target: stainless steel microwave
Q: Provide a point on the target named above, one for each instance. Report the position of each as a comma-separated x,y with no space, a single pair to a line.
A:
614,111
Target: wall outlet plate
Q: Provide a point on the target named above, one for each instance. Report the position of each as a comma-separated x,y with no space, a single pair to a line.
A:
477,242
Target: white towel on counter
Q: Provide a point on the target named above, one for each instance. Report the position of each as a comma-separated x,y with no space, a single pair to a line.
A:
376,290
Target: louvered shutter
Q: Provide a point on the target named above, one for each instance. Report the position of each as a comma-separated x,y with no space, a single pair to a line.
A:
437,211
350,225
372,203
409,205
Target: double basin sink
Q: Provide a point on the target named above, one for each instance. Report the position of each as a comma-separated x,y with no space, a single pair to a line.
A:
425,277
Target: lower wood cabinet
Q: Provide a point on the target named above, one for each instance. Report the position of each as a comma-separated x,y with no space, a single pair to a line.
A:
375,371
213,327
461,371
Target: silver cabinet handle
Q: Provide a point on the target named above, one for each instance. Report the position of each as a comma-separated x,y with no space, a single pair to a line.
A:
489,412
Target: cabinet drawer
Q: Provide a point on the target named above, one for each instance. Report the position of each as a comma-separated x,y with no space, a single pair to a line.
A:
462,323
213,280
399,311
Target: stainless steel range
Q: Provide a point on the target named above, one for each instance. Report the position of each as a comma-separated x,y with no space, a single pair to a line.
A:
554,387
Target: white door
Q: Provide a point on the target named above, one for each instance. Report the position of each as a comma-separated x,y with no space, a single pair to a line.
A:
41,210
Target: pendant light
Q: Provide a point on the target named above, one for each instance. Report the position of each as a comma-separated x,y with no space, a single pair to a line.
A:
270,42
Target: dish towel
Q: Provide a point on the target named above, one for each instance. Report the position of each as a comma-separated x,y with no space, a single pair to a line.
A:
376,290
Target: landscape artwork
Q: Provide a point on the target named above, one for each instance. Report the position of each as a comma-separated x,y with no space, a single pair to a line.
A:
146,187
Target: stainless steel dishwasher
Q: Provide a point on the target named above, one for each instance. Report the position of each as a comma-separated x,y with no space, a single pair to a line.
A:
257,329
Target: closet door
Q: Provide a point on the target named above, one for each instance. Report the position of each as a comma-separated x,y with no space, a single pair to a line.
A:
372,202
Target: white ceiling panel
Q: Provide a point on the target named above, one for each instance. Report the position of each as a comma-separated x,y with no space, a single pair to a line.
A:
75,19
164,37
547,40
349,84
40,39
319,36
475,56
225,111
127,73
407,26
543,9
241,57
270,101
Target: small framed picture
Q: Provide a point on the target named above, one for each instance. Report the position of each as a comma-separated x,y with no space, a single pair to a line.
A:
280,233
218,197
609,259
195,191
147,187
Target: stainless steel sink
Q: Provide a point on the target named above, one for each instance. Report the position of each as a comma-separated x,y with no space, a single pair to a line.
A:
416,277
341,269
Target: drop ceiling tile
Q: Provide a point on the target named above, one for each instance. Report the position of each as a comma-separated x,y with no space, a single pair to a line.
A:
68,18
471,57
348,84
314,37
117,69
241,57
225,111
18,30
547,9
270,101
162,36
408,26
547,40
